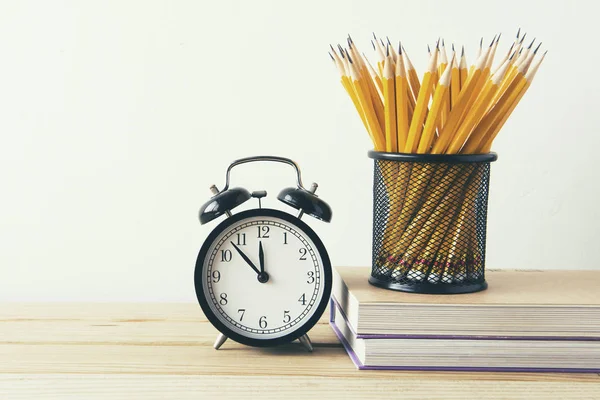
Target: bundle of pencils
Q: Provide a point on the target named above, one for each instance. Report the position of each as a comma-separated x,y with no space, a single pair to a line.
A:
430,233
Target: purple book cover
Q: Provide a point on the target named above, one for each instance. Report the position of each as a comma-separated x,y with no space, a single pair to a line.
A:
335,310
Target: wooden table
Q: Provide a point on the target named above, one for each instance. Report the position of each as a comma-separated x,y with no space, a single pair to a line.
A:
157,351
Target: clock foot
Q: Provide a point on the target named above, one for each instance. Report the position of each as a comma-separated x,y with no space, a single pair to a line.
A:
219,342
305,341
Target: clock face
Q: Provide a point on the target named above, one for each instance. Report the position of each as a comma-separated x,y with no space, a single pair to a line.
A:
263,277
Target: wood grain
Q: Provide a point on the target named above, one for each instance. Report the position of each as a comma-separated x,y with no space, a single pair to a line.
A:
151,351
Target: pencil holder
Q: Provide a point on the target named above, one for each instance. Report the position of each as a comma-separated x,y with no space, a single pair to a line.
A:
429,222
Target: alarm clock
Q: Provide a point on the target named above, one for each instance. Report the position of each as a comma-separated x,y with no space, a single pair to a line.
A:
263,276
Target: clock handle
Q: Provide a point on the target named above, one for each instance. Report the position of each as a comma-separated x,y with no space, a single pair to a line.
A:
265,158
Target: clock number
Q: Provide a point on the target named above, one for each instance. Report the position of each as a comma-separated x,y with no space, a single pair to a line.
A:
311,277
263,232
242,311
223,300
216,276
286,317
241,239
226,255
303,252
262,322
302,299
285,238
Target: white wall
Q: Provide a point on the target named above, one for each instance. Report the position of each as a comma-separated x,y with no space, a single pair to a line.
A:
117,116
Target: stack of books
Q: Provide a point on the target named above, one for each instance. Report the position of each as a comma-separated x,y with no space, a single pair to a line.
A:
547,321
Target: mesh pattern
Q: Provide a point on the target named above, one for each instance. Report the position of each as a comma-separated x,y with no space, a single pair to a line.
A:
429,224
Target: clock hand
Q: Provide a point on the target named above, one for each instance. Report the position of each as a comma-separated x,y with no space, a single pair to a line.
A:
261,257
245,257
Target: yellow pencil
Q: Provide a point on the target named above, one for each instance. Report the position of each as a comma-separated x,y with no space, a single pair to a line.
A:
443,59
493,53
485,73
376,78
437,106
368,86
454,80
445,109
374,126
402,96
346,82
464,72
416,125
389,101
435,76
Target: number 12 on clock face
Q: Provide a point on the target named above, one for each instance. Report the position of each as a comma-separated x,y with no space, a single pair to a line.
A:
264,277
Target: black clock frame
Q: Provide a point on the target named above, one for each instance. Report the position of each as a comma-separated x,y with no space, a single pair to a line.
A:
203,297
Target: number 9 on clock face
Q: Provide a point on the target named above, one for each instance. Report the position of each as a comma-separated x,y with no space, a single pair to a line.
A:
263,277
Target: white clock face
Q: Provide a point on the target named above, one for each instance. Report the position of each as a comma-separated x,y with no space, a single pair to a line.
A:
265,301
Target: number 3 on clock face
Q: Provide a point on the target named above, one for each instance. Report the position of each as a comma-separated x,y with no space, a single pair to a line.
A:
263,277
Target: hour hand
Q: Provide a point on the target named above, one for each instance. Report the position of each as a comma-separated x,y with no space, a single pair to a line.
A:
245,257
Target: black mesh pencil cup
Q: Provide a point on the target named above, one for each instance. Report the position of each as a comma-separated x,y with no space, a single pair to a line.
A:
429,222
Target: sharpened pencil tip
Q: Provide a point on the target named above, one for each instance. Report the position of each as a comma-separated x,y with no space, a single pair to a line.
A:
453,47
399,48
374,37
373,44
443,43
349,58
512,55
499,36
462,52
331,56
437,45
511,47
341,51
493,40
350,39
387,50
523,38
428,49
388,40
381,41
518,32
349,42
520,51
531,44
544,55
481,43
537,48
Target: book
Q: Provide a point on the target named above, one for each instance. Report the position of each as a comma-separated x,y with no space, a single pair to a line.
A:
527,304
475,354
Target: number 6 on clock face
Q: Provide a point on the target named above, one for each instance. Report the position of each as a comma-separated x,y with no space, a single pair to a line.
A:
263,277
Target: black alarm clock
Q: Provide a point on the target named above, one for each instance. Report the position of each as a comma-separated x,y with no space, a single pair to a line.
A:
263,276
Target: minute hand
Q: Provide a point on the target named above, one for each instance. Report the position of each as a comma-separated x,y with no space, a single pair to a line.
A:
261,257
245,257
